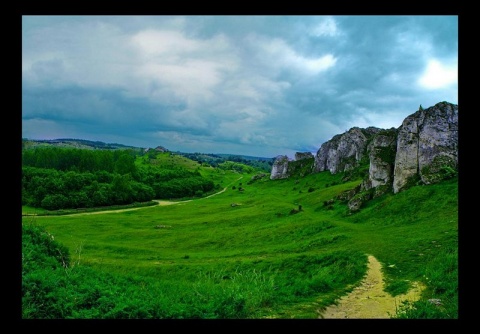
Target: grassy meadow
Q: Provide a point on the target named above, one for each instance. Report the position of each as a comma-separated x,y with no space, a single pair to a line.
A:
271,250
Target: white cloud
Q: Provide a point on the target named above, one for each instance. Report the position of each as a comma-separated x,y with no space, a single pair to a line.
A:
172,65
277,52
438,75
169,45
192,81
155,43
327,27
412,43
317,65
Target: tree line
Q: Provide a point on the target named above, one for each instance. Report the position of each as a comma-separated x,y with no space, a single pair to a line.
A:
65,178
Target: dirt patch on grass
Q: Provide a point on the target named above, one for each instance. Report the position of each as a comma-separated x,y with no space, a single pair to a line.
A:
369,300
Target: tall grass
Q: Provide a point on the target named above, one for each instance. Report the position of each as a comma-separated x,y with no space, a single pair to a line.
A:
53,290
441,297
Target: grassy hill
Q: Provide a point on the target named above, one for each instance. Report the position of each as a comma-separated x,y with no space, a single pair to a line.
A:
74,143
261,249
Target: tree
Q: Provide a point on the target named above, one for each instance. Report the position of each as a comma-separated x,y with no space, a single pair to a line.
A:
122,189
54,202
125,164
102,196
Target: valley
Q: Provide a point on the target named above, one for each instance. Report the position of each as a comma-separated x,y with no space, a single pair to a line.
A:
320,251
366,228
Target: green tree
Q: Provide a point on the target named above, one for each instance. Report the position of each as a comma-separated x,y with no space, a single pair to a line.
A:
102,196
54,202
121,188
125,164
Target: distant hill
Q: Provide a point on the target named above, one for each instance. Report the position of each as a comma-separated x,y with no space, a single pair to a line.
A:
214,160
208,158
74,143
245,157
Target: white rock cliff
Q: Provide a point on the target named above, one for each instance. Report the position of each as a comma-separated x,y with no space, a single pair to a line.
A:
425,145
427,141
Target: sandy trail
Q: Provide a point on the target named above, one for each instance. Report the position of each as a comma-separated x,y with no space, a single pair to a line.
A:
171,203
369,300
161,203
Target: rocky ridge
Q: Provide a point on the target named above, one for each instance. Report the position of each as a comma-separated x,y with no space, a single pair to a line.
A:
422,150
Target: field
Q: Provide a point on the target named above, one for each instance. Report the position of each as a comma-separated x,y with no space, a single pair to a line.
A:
274,249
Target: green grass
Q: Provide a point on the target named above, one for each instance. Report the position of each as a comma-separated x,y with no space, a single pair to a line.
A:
30,211
255,259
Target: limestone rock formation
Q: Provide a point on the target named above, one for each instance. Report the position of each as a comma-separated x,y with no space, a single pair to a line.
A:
382,152
344,151
279,168
424,149
303,155
427,142
302,165
283,167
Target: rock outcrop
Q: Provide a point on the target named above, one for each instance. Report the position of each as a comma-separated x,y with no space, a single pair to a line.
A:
381,152
279,168
303,156
344,151
427,142
283,168
422,150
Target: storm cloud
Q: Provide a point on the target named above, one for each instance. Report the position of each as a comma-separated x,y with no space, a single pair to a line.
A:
253,85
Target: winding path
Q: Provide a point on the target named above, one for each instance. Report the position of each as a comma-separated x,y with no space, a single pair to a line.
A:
160,202
189,200
369,300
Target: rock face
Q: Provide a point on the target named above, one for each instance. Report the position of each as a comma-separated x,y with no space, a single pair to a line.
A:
344,151
303,156
283,168
427,142
279,168
422,149
382,152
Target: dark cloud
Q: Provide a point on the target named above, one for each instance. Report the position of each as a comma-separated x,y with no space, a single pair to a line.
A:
257,85
105,109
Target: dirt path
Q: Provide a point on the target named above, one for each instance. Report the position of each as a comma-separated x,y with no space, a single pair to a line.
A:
369,300
161,203
171,203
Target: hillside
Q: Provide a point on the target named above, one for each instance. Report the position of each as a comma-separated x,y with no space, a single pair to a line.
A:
278,249
230,242
73,143
423,150
210,159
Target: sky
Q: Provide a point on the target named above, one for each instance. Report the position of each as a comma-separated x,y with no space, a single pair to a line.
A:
249,85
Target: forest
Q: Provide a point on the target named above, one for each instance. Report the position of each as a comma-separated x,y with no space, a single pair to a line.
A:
61,178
